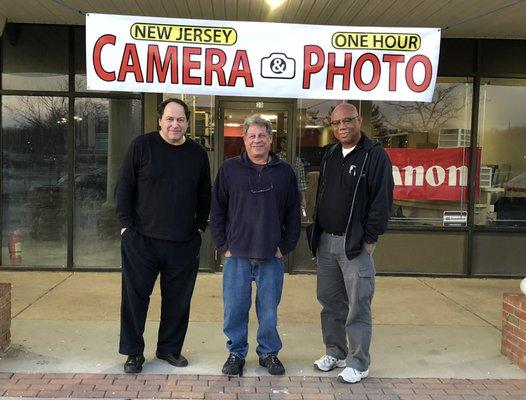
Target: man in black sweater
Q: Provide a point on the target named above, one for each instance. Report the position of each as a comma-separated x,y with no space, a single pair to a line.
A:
163,202
353,202
255,221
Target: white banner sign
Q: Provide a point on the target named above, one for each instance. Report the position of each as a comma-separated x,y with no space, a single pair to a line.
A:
168,55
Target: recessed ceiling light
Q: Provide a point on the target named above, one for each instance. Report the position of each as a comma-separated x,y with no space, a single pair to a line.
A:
274,3
269,116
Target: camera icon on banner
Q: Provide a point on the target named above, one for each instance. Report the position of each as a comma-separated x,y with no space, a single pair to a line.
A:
278,66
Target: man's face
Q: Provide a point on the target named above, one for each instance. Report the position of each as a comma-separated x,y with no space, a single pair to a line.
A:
346,124
257,142
173,124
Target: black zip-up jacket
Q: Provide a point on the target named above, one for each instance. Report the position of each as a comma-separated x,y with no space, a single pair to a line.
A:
255,211
372,196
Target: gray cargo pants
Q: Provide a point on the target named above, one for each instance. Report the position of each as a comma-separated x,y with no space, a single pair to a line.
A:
345,290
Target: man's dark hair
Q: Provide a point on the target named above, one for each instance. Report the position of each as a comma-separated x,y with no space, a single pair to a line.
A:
162,106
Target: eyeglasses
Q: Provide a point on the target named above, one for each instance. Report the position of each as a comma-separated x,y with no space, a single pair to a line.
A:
344,121
261,186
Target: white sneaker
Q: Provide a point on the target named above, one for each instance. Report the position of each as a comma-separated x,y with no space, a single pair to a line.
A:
351,375
328,363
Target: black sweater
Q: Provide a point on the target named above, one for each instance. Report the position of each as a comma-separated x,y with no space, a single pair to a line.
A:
164,190
255,212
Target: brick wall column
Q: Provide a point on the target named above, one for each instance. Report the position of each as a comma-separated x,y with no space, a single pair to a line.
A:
5,316
513,343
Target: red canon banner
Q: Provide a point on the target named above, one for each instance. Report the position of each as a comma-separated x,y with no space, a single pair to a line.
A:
432,174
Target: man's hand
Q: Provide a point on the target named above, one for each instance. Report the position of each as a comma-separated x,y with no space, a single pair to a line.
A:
227,254
278,253
123,230
369,247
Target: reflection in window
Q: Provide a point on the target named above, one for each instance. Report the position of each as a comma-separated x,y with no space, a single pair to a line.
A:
428,144
34,180
502,136
104,129
35,57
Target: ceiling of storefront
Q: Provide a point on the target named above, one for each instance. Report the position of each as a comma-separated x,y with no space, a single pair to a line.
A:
462,18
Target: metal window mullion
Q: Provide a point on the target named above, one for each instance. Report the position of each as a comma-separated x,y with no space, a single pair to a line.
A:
1,157
70,143
472,173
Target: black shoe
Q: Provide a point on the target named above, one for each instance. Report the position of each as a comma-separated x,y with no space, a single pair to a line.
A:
272,364
133,364
177,360
233,365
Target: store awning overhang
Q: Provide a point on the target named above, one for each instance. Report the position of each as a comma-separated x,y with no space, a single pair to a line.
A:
457,18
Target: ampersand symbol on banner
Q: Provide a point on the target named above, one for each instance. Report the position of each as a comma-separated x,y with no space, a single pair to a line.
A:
278,65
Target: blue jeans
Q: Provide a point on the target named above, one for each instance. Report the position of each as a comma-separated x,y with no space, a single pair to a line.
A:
238,274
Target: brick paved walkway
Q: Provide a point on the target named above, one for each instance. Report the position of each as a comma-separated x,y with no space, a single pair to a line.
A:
253,388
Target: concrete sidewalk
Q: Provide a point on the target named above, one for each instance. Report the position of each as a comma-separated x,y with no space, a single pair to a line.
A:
423,328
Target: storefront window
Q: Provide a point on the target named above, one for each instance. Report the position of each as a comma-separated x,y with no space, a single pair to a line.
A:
502,136
34,180
104,129
429,147
35,57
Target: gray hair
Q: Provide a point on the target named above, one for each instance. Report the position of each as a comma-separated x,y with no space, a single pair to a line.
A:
256,119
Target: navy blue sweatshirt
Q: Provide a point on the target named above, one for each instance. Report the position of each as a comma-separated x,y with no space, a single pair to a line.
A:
255,210
164,190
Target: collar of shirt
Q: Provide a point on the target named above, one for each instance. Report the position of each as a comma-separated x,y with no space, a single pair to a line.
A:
347,151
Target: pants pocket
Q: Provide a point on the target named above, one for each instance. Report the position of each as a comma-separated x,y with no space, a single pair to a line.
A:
366,267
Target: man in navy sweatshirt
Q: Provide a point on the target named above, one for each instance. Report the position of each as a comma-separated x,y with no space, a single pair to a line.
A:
163,202
255,221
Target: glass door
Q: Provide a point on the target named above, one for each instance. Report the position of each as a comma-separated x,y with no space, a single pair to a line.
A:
231,113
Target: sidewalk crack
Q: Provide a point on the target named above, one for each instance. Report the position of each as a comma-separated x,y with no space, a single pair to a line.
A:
498,328
42,295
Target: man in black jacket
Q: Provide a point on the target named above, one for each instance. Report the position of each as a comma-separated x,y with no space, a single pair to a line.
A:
255,221
353,202
163,202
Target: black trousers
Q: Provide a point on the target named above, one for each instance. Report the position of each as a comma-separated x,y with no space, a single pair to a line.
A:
143,258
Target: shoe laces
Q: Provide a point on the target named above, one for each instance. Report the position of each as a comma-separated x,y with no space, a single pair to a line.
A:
233,359
353,371
327,359
273,359
134,359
